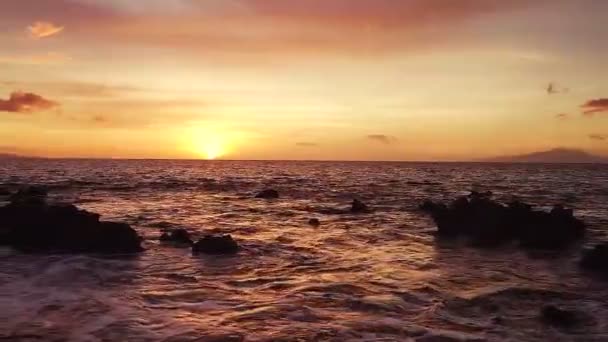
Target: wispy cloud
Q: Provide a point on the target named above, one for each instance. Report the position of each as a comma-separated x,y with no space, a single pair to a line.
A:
595,106
598,137
50,58
382,138
306,144
43,29
562,116
554,88
292,27
99,119
20,102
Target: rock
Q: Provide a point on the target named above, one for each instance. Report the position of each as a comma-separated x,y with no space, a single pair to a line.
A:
314,222
268,194
488,223
177,236
5,192
555,316
30,195
429,206
596,259
358,207
30,225
216,244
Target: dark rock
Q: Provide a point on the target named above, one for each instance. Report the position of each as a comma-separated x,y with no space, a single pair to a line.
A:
216,244
555,316
30,195
31,225
314,222
498,320
430,206
177,236
268,194
489,223
596,259
358,207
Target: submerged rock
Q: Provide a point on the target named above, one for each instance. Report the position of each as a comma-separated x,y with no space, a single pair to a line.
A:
488,222
177,236
358,206
555,316
596,259
216,244
314,222
31,225
268,194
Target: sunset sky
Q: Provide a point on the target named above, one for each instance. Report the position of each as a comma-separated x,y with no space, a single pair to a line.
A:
302,79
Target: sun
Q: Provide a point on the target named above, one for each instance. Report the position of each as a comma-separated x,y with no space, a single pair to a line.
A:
212,151
209,146
209,142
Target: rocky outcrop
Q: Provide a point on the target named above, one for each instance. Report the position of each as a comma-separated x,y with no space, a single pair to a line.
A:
178,236
314,222
358,207
488,222
215,244
5,191
596,259
268,194
31,225
30,195
552,315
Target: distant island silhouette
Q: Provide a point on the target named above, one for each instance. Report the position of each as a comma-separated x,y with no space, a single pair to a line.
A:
10,156
556,155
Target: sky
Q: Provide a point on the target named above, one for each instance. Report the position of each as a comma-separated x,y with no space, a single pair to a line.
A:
302,79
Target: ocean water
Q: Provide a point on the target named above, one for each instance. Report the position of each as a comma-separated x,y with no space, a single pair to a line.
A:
372,277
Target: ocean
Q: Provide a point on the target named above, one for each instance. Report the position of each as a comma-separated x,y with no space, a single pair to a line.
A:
379,276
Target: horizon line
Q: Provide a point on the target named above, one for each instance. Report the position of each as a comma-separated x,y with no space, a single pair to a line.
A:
307,160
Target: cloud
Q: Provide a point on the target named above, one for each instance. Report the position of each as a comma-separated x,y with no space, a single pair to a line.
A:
51,58
595,106
20,102
598,137
99,119
295,28
75,89
306,144
381,138
43,29
561,116
554,88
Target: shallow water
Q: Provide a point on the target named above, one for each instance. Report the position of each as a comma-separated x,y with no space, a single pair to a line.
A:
379,276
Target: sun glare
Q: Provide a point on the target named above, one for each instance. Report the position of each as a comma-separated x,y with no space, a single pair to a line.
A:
212,151
207,143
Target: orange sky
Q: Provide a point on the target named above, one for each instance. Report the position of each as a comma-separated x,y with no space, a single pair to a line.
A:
293,79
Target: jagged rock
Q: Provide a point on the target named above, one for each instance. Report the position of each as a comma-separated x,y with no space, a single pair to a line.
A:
314,222
358,206
5,191
177,236
216,244
268,194
555,316
30,195
31,225
596,259
488,222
